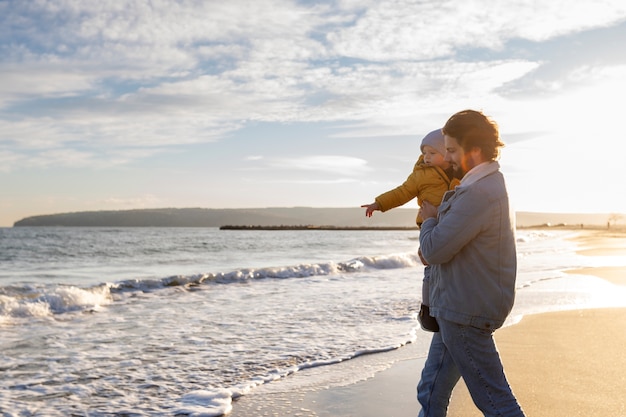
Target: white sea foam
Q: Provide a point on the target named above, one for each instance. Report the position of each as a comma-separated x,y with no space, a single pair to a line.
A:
205,403
47,301
530,235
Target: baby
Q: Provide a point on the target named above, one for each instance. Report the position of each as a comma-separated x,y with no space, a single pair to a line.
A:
432,176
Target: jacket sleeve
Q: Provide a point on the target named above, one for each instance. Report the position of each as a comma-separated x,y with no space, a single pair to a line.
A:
457,225
403,193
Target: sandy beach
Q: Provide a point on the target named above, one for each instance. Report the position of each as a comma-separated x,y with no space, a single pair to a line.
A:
560,364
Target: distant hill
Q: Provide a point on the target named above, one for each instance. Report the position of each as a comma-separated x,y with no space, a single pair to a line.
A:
199,217
275,216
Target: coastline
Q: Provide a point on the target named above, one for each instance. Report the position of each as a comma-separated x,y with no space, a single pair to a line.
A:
559,364
553,370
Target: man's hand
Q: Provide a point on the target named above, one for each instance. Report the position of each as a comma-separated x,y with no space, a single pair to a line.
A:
428,210
424,261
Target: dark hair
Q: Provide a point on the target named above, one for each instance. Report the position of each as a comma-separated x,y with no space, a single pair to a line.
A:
472,129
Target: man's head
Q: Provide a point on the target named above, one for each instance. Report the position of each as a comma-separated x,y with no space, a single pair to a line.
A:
471,138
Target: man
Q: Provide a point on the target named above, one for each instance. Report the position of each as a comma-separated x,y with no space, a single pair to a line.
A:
470,244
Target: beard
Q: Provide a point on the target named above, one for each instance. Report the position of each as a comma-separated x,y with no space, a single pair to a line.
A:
458,171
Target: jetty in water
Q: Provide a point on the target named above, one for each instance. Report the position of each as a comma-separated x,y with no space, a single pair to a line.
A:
313,227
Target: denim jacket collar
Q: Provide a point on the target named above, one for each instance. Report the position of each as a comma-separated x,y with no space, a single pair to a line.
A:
478,172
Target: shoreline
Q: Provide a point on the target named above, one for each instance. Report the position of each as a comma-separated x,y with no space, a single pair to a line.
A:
551,373
559,364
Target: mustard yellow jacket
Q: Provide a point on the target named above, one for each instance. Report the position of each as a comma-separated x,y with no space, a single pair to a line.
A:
425,182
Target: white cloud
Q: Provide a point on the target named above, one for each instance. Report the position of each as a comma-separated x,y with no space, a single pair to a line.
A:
18,81
267,69
407,30
9,160
541,20
309,181
334,164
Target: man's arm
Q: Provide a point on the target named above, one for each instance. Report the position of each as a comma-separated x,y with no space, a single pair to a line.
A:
460,222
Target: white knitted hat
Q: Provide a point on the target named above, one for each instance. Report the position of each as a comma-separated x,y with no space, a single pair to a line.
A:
434,139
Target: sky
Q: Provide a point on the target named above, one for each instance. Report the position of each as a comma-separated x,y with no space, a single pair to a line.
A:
115,105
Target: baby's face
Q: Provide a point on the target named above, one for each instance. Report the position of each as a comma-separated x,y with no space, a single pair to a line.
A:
434,158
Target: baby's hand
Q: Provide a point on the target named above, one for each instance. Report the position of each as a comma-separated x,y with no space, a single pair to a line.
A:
370,209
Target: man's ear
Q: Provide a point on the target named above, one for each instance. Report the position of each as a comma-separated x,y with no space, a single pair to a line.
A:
477,155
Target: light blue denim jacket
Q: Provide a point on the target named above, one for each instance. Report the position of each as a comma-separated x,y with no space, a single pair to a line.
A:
471,247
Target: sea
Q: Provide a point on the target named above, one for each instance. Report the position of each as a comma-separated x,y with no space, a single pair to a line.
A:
187,321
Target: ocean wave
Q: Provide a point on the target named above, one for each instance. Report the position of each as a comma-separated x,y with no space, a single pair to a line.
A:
46,301
404,260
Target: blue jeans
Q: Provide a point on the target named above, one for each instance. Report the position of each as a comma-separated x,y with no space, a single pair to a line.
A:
459,350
